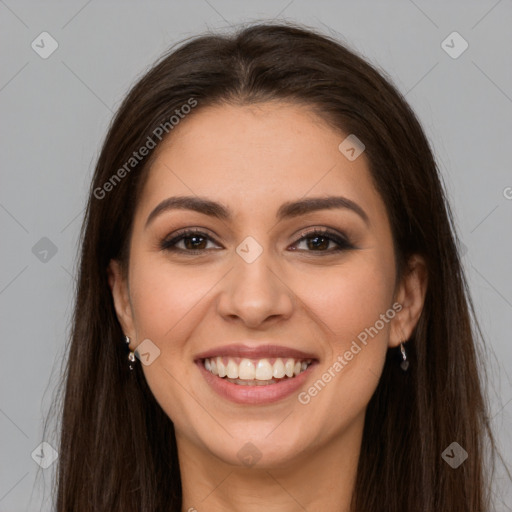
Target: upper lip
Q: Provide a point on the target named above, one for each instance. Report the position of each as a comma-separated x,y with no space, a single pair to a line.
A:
255,352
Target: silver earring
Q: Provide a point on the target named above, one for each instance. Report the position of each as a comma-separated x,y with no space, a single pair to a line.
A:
404,364
131,355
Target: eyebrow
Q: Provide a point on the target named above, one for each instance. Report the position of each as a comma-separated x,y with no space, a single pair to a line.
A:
287,210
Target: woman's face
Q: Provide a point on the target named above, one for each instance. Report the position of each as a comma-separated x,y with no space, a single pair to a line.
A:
254,292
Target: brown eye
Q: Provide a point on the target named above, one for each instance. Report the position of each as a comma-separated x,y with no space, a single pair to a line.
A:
320,240
193,242
196,242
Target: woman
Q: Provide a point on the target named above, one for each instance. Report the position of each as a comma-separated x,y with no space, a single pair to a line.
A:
271,312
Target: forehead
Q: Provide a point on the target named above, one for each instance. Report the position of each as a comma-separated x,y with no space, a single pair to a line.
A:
252,156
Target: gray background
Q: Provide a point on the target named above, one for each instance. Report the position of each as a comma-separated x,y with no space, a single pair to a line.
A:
55,113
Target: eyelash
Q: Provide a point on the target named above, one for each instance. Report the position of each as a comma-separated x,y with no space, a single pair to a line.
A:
343,243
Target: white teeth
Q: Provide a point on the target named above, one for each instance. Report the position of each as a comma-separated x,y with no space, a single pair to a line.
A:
232,369
213,366
247,370
250,371
288,367
221,369
263,370
279,372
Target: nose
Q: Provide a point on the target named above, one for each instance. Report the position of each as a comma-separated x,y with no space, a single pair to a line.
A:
255,294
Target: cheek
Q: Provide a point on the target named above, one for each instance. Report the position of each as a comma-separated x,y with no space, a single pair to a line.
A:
167,302
350,305
166,298
351,297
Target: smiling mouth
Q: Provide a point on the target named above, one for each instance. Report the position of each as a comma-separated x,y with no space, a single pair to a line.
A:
256,372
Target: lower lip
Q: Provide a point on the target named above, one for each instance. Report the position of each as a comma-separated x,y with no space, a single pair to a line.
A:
255,395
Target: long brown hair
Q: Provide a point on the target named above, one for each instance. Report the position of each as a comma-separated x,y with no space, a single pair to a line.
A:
117,446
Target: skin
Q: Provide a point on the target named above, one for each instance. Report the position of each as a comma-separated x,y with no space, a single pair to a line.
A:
252,159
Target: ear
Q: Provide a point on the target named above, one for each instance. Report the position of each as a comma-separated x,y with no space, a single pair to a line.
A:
121,296
411,295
